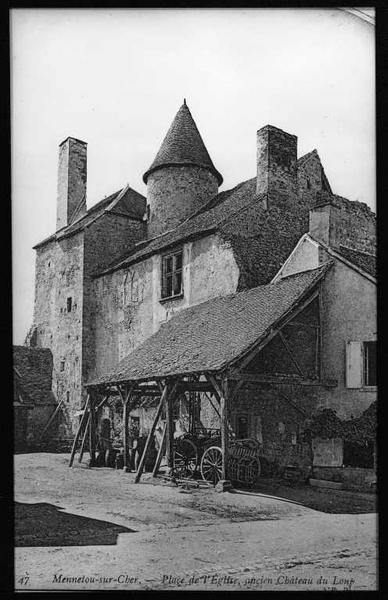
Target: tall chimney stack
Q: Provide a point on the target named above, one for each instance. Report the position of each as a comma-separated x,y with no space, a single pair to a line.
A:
276,161
72,174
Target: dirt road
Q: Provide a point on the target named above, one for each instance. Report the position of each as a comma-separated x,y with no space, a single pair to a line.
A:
85,528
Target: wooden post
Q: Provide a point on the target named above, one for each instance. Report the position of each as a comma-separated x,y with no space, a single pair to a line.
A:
127,407
160,452
224,427
82,421
81,452
125,433
219,393
92,433
152,430
169,429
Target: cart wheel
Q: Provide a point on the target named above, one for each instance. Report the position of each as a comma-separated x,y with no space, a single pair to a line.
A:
185,458
211,464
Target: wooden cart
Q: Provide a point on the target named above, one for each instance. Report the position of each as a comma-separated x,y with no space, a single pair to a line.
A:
203,453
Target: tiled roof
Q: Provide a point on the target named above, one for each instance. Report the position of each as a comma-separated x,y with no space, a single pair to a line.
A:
362,260
208,218
214,334
183,145
126,202
33,373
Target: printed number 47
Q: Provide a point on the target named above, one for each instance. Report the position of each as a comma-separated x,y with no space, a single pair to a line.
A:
24,580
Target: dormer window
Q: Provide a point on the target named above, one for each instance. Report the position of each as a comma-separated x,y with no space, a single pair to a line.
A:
172,274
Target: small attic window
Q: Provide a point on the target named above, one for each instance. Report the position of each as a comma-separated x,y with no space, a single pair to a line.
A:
69,302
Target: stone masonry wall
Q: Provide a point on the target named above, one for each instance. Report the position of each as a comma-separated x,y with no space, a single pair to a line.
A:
174,193
311,175
59,276
109,238
126,305
338,221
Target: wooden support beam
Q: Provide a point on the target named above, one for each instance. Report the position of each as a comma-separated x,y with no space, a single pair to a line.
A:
224,426
294,406
218,393
99,406
215,408
195,386
92,432
77,435
166,390
160,452
126,395
150,434
217,387
81,452
280,380
50,419
126,411
169,428
291,355
257,347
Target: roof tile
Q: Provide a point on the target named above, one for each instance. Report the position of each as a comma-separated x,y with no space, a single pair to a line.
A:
211,335
183,145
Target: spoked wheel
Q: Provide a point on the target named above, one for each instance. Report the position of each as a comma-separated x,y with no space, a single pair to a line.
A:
211,464
185,458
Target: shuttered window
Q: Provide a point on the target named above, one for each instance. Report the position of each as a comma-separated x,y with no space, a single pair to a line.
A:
360,364
354,364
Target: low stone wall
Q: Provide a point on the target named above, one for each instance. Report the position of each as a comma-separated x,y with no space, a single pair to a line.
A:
352,478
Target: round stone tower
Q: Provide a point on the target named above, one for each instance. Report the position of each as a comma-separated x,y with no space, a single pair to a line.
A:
182,177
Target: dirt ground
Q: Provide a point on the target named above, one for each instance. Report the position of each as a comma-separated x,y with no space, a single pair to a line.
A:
83,528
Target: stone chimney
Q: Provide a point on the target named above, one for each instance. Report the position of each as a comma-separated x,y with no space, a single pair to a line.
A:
276,161
72,173
325,223
336,221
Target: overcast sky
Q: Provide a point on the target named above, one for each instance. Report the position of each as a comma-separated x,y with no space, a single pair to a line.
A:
116,78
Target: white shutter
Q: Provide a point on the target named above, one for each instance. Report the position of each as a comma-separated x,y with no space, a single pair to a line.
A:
354,365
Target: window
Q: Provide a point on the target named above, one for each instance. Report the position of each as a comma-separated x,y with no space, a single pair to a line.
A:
361,364
68,303
370,364
172,275
67,396
62,365
242,427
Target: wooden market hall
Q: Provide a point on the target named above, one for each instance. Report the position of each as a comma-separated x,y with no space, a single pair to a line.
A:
215,348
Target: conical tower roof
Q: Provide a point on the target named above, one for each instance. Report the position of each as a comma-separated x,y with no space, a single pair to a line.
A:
183,145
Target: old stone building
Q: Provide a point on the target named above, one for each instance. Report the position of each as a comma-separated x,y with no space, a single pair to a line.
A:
115,275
